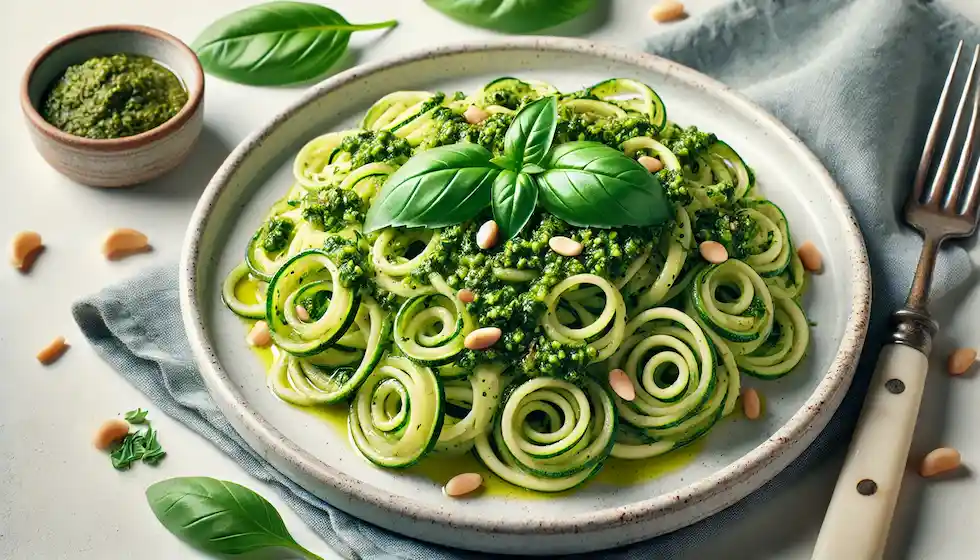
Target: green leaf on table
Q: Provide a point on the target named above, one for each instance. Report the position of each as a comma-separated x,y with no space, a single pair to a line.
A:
129,451
276,43
137,446
512,16
219,517
137,416
435,188
153,453
591,184
514,197
529,137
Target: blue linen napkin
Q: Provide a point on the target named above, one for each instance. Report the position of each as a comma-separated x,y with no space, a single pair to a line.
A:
855,79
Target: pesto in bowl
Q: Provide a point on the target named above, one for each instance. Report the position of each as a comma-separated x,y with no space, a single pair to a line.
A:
113,96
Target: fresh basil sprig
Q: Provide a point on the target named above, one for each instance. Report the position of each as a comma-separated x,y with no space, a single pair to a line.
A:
276,43
512,16
583,183
220,517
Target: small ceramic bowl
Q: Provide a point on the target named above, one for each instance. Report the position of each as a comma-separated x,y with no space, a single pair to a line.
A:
124,161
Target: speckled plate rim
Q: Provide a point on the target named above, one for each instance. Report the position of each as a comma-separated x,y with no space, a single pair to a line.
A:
736,480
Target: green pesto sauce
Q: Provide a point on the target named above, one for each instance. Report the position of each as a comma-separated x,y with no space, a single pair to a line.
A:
113,97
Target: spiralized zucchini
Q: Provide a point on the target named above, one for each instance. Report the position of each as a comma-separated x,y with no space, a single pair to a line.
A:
377,322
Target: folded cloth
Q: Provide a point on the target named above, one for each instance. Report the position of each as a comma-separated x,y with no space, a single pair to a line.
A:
857,80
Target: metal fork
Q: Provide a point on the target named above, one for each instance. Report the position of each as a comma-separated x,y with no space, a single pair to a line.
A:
857,521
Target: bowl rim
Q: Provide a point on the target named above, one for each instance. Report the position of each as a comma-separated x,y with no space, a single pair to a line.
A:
195,95
715,491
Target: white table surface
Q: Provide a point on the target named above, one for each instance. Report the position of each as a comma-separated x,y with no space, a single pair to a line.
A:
59,498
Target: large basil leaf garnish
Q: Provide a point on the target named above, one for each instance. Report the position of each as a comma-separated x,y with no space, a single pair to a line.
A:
435,188
512,16
514,197
529,137
276,43
220,517
591,184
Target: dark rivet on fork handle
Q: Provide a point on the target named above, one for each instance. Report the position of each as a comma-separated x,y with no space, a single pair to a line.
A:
895,386
867,487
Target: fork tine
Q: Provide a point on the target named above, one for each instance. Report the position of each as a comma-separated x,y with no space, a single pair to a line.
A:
962,168
973,193
942,171
930,145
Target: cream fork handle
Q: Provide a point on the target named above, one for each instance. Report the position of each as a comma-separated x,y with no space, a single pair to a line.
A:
860,512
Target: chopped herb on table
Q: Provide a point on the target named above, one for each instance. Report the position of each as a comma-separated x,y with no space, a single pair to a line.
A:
141,445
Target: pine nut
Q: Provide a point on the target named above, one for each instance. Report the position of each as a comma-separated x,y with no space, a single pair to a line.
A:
565,246
481,339
475,115
651,163
487,236
621,385
810,257
466,296
667,10
24,249
50,353
123,242
960,360
110,432
463,484
259,336
939,461
713,252
302,313
751,404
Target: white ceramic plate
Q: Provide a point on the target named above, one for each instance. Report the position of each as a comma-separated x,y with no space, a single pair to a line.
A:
738,456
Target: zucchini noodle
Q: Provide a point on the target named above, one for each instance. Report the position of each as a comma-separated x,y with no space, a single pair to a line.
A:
378,322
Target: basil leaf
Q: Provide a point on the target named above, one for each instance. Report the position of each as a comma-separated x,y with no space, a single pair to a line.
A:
137,416
514,197
276,43
503,162
219,517
529,137
512,16
532,169
435,188
591,184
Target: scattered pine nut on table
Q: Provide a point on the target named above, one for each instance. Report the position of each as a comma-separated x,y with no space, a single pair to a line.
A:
667,10
939,461
24,249
110,432
53,351
123,242
960,360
